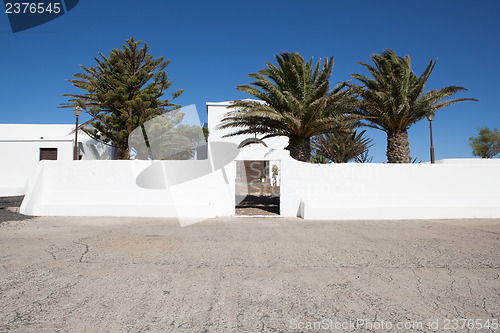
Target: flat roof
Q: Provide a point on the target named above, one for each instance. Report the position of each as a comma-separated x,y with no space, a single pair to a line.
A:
227,103
36,131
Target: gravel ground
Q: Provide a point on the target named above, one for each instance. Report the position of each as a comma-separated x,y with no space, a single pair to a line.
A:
258,200
247,275
9,209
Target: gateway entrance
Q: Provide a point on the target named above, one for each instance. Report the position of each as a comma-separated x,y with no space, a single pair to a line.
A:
257,187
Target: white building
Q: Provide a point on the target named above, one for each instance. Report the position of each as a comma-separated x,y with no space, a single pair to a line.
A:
216,111
22,146
261,156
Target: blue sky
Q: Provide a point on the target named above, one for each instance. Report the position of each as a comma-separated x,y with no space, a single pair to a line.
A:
214,45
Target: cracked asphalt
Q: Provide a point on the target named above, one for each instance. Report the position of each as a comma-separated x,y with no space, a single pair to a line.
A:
247,275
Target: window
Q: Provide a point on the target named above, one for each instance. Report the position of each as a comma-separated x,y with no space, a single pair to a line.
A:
48,154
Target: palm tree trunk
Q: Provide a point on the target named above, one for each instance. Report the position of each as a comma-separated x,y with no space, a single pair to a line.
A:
300,149
398,149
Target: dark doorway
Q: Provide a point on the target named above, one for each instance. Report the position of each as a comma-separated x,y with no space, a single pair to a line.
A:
257,188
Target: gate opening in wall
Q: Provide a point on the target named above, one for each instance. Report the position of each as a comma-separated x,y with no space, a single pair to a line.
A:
258,187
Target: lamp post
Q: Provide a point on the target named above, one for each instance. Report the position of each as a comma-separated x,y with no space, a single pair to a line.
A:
430,118
77,111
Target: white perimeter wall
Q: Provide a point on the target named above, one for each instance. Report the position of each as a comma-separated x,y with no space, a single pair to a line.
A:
332,191
131,188
390,191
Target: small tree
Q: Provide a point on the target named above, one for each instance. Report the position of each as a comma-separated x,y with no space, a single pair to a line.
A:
317,158
275,170
486,144
364,158
165,138
206,133
122,92
342,146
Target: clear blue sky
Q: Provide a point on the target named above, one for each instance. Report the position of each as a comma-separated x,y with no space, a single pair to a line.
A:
214,45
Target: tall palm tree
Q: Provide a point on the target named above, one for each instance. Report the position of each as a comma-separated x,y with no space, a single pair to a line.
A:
394,99
295,100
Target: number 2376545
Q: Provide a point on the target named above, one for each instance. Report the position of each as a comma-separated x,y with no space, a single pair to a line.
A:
32,8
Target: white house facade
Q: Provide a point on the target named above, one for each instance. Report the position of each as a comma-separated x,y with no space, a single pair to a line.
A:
22,146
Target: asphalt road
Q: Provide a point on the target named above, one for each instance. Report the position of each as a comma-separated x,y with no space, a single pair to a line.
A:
248,275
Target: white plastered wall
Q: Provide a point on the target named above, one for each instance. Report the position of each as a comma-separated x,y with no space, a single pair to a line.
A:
448,189
333,191
131,188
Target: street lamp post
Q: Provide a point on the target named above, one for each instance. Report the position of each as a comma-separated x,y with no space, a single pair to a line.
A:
77,111
430,118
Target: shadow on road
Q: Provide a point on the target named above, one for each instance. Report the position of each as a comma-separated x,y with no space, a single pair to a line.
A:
9,209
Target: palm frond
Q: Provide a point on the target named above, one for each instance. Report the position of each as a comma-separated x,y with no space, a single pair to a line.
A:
295,100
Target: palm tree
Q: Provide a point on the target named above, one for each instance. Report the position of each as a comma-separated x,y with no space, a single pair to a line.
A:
318,158
394,99
295,100
364,157
343,146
